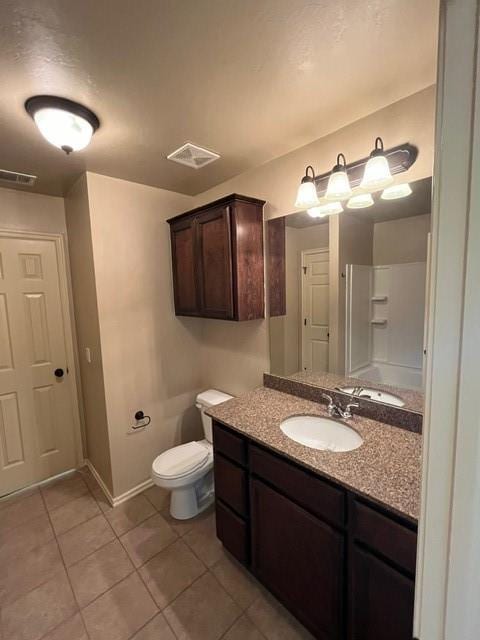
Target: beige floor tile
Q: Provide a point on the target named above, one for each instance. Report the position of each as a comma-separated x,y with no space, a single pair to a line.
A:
130,513
21,511
85,539
202,539
89,478
39,611
74,513
236,580
12,498
62,491
29,571
120,612
156,629
72,629
101,499
274,621
159,497
16,542
203,612
184,526
99,571
146,540
170,572
243,629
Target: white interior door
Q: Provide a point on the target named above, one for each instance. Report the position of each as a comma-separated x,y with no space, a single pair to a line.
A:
315,310
36,410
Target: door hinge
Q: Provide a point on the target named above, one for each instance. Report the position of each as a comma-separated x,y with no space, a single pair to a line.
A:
305,322
304,271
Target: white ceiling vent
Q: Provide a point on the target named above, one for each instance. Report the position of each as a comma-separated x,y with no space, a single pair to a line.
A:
192,156
13,177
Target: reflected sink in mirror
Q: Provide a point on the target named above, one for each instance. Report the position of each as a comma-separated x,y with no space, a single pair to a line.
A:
321,433
374,394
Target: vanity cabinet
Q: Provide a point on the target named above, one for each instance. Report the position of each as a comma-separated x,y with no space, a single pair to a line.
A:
217,260
342,565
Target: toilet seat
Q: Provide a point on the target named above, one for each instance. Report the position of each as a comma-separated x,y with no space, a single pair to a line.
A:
181,461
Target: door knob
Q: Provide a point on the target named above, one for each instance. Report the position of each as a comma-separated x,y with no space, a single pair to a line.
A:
58,373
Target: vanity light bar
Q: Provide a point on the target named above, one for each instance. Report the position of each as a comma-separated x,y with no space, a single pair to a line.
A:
400,159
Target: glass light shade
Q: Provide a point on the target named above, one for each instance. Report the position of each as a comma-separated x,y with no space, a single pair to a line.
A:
377,173
362,201
397,191
338,186
325,210
306,195
63,129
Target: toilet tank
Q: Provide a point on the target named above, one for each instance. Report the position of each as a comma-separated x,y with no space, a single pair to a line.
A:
207,399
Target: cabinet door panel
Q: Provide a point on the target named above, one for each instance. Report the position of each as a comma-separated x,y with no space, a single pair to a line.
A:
183,267
215,263
382,602
300,559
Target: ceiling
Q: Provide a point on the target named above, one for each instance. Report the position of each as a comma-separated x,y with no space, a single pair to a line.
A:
249,79
418,203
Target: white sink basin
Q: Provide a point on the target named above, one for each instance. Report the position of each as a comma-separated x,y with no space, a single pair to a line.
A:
375,394
321,433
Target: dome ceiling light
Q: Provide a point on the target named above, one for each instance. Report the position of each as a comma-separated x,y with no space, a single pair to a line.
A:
307,192
64,123
338,183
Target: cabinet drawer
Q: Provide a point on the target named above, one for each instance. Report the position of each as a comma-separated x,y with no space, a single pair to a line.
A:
229,444
302,487
230,484
393,540
232,531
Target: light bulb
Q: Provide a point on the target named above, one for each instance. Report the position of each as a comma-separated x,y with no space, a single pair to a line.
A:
325,210
377,170
361,201
307,192
397,191
338,183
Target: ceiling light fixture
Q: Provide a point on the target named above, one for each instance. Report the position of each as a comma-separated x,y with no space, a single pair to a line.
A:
338,183
325,210
307,192
397,191
377,170
360,201
64,123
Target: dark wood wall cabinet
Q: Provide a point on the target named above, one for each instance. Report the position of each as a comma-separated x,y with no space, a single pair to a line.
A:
342,565
217,260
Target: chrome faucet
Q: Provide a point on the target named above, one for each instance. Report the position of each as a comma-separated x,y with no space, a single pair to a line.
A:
336,411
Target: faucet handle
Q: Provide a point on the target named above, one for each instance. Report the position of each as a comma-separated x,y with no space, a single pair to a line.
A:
348,409
327,397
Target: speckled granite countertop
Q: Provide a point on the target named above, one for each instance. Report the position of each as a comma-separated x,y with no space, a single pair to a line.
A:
385,469
414,400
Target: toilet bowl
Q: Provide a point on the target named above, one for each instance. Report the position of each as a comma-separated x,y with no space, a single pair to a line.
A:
187,470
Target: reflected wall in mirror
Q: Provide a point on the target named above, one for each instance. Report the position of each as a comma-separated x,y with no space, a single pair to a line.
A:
354,290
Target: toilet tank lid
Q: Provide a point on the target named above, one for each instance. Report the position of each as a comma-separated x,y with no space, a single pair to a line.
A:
211,397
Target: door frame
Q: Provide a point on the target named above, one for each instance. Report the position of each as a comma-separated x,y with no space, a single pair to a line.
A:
303,253
59,241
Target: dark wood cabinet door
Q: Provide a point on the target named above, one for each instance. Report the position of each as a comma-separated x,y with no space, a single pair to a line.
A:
300,559
215,263
185,289
382,600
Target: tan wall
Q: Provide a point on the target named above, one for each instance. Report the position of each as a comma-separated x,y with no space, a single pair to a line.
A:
399,241
25,211
88,330
151,359
234,355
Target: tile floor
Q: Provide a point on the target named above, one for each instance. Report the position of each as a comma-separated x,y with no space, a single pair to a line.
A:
73,568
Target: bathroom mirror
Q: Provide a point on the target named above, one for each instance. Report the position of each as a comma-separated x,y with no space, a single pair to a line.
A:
347,297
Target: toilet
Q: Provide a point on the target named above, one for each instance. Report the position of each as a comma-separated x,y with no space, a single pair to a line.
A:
187,470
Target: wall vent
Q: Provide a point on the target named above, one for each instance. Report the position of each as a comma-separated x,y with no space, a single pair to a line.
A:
13,177
193,156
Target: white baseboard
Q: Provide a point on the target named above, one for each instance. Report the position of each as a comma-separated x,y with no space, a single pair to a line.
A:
124,496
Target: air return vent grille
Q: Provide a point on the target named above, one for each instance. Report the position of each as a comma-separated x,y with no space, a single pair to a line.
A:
12,177
192,156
